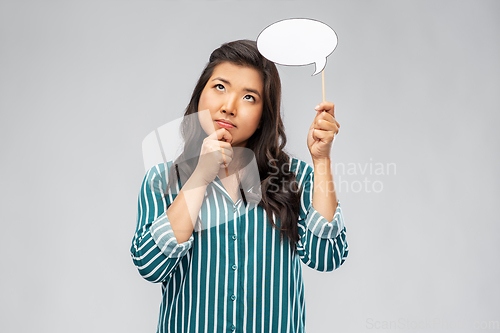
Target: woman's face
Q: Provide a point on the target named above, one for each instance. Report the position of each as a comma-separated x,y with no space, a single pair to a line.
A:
233,95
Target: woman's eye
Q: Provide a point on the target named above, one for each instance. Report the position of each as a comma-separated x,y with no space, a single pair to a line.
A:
249,98
219,87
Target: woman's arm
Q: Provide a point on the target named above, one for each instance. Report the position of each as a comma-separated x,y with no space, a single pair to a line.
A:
324,196
183,213
155,250
319,141
322,243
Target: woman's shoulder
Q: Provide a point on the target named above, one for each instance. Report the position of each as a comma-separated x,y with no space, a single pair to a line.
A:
299,167
160,170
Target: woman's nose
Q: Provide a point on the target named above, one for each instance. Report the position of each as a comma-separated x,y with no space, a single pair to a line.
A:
229,106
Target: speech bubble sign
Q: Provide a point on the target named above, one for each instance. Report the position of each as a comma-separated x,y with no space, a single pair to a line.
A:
298,42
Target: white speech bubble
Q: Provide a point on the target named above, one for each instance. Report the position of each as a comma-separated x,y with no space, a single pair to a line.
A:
298,42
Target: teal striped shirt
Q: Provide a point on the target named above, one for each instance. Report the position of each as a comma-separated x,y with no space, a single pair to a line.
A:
235,275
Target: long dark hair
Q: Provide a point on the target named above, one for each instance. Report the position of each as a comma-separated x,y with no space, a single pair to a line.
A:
267,142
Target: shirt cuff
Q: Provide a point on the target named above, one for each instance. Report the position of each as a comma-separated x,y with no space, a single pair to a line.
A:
321,227
164,237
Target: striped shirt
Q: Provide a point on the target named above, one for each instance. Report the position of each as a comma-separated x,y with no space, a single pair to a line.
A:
235,275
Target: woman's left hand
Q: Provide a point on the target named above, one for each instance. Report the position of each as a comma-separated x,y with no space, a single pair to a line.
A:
322,131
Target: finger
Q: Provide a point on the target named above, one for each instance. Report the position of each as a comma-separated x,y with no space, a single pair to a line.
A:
325,125
326,106
227,150
221,134
226,162
329,117
226,136
325,115
223,151
328,125
226,154
214,145
326,136
221,144
217,145
214,136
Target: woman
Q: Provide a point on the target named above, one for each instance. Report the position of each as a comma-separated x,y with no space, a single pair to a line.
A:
227,263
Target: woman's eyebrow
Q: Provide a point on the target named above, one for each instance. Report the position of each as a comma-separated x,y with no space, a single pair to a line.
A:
245,89
253,91
223,80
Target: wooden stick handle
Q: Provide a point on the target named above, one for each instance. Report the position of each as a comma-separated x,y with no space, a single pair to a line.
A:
323,81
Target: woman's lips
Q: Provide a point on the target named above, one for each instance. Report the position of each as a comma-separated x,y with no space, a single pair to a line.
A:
223,124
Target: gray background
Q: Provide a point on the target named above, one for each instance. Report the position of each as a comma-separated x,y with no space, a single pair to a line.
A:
415,83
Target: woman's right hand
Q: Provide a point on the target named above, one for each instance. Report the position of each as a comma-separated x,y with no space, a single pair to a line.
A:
211,159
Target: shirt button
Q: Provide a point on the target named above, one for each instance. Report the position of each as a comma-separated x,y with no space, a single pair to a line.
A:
234,267
234,237
233,327
233,297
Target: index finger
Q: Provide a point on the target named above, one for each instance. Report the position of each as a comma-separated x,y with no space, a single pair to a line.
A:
326,106
221,134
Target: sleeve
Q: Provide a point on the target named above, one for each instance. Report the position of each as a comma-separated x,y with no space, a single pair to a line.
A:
155,251
322,244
